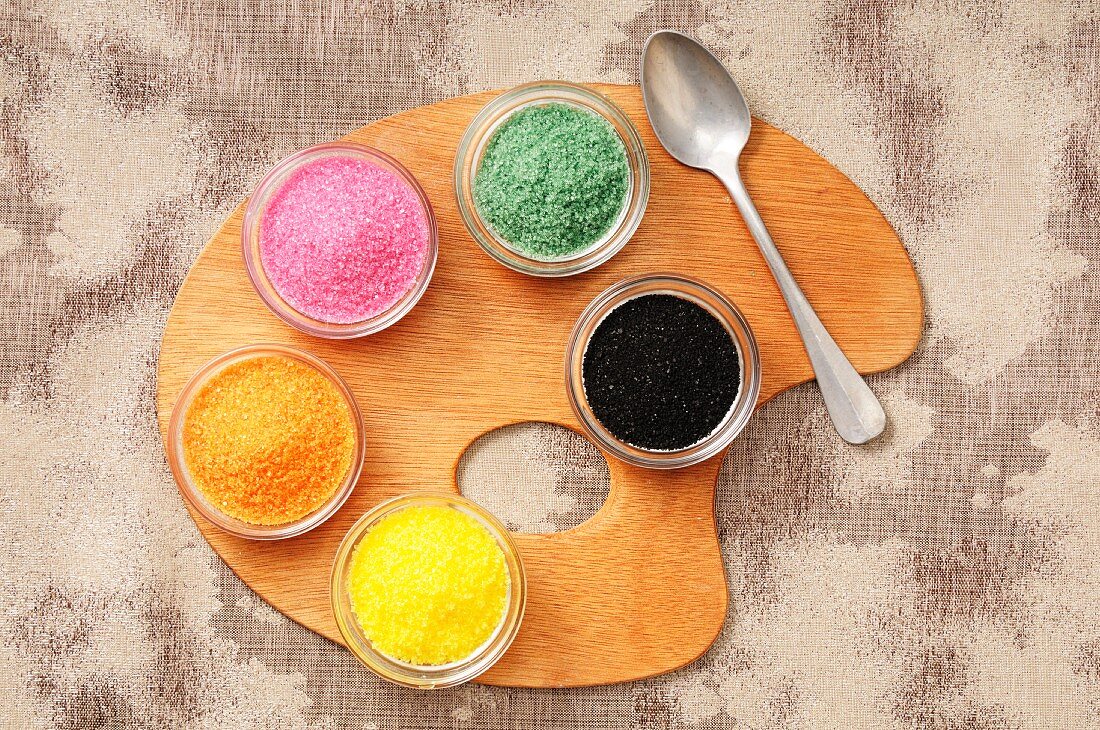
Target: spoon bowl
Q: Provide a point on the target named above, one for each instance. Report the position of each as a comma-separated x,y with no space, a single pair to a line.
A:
694,104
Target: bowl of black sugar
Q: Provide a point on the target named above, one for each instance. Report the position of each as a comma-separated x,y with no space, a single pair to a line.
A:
662,371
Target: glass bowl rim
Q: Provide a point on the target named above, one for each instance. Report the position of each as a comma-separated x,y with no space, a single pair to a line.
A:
250,226
429,676
178,464
724,310
480,131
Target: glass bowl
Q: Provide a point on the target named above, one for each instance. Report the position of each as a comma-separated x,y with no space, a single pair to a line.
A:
472,148
438,675
250,243
198,500
722,309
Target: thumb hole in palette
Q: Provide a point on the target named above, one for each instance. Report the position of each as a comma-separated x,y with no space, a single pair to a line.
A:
535,477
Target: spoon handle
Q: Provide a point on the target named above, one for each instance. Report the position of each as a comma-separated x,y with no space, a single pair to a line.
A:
853,408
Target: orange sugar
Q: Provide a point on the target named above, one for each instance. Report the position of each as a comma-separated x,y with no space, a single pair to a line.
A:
268,440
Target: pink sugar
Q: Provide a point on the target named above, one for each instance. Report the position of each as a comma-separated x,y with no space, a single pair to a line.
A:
343,240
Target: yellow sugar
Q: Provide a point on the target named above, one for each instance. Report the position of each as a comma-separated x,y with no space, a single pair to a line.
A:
428,585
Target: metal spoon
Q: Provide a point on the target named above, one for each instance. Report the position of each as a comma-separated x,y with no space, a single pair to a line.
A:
703,121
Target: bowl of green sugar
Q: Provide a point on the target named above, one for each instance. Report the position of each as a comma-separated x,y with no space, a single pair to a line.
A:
551,178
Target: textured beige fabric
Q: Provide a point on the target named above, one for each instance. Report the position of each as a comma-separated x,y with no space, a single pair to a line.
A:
946,577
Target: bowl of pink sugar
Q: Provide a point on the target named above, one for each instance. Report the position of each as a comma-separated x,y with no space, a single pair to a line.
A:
339,240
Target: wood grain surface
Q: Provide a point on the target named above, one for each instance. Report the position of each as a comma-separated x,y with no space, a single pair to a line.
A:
639,589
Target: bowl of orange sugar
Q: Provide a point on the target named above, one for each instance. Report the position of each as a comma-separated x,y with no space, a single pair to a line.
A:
266,442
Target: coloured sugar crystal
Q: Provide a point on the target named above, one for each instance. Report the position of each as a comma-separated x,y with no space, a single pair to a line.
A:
268,440
553,180
661,372
342,239
428,585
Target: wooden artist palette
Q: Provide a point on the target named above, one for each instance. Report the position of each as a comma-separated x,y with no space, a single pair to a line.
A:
639,589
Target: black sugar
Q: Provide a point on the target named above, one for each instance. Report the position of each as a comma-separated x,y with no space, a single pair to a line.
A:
661,372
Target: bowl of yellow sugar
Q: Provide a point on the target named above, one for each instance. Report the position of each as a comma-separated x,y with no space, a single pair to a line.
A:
266,442
428,590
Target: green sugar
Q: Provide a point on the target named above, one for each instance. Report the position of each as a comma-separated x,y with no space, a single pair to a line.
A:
553,180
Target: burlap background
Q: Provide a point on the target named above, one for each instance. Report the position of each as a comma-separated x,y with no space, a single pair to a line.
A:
946,577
